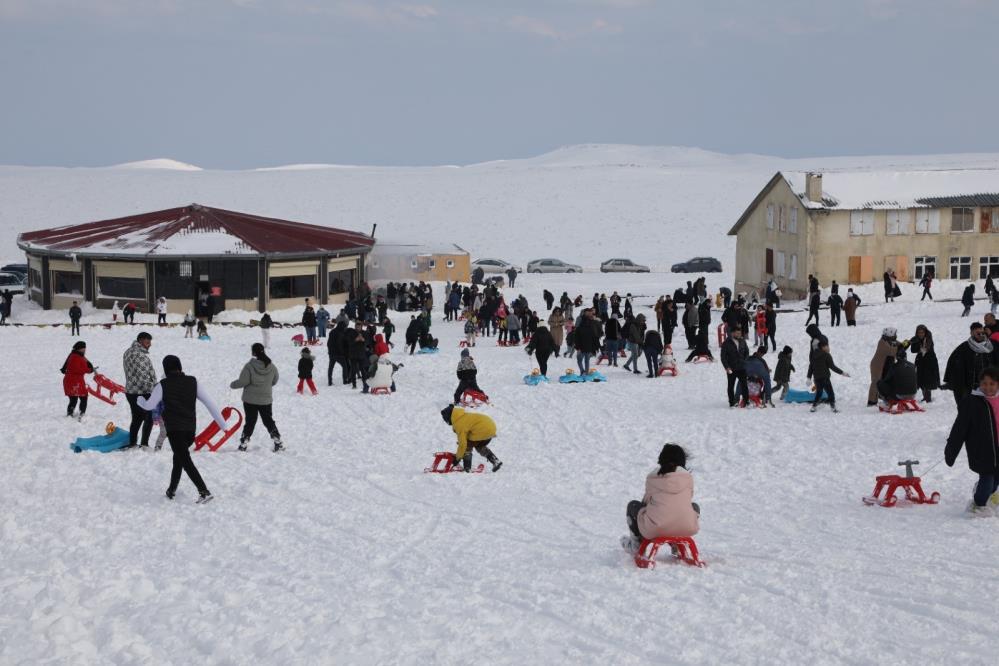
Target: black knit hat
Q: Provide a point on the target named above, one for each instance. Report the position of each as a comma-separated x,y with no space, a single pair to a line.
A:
787,350
446,414
78,345
171,364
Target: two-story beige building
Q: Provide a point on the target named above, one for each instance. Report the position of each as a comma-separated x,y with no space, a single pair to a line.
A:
945,222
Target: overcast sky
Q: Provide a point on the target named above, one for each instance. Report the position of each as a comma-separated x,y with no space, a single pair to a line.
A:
248,83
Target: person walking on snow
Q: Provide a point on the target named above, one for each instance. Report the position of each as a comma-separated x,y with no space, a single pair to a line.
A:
967,362
305,365
74,382
782,373
474,431
257,379
161,311
968,299
814,299
850,306
140,379
926,282
822,367
667,507
542,345
975,430
180,394
835,303
75,313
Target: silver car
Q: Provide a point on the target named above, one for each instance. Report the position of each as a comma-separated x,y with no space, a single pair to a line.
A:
12,282
552,266
494,266
622,266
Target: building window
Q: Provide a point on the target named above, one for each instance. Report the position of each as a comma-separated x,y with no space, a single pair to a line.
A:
924,266
293,286
35,279
988,267
962,220
793,273
341,281
897,222
782,217
66,282
414,264
450,263
927,221
120,287
770,262
185,269
770,216
433,264
990,221
780,264
862,223
960,268
792,225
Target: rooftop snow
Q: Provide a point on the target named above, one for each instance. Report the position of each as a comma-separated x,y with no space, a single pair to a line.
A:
897,189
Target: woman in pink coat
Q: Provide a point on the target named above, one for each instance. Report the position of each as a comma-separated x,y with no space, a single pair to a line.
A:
667,508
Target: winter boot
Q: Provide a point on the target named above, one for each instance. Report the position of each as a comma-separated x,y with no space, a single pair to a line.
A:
980,511
243,441
204,498
493,460
170,493
466,462
833,405
814,407
278,446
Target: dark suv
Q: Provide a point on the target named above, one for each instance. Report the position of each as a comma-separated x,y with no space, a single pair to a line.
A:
697,265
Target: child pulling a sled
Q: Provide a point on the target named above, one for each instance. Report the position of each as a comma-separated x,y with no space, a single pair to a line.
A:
667,509
474,431
74,383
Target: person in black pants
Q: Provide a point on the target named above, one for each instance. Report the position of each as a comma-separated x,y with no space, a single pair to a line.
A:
140,378
358,357
771,318
822,367
74,319
542,345
336,343
179,394
734,353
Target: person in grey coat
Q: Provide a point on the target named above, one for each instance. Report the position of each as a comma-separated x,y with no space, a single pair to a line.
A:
257,380
140,379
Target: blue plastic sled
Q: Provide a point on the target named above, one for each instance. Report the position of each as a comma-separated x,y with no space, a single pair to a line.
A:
594,377
102,443
801,395
206,338
427,350
534,380
570,379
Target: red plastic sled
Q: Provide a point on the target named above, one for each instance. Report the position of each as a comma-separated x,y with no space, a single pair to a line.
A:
205,438
444,463
381,390
721,334
892,482
901,407
472,398
672,371
463,343
686,551
105,382
703,358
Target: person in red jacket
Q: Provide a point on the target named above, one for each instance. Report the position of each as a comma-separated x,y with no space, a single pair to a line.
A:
74,383
381,347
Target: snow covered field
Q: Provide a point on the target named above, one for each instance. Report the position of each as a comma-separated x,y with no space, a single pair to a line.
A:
341,550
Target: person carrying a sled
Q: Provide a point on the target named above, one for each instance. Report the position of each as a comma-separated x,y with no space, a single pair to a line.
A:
74,383
975,430
180,394
667,508
474,431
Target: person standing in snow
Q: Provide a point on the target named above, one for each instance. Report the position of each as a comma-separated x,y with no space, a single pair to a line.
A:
927,366
926,282
189,324
474,432
309,322
549,299
771,320
180,394
881,362
542,345
161,311
74,382
305,372
653,348
782,373
511,274
322,320
814,299
975,430
835,303
822,367
967,362
75,313
115,311
734,353
667,508
337,346
968,299
257,379
266,324
850,306
140,379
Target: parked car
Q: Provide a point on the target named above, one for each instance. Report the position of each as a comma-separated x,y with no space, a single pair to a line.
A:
698,265
622,266
552,266
20,269
494,266
12,282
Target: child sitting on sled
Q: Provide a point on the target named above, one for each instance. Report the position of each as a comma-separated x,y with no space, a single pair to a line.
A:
667,509
474,431
202,330
466,376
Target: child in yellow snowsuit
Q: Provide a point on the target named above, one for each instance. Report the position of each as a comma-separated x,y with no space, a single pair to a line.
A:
474,431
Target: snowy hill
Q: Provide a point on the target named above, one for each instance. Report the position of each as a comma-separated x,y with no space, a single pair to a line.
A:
657,205
159,163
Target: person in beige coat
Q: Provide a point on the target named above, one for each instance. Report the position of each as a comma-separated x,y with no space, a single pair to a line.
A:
883,355
556,325
667,509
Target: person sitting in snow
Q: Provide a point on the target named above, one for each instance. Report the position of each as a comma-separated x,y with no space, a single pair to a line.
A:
202,329
667,508
466,376
474,431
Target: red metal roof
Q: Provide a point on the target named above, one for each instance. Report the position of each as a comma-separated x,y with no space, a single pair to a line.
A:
194,230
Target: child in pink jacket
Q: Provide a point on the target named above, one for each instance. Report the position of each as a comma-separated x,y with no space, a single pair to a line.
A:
667,508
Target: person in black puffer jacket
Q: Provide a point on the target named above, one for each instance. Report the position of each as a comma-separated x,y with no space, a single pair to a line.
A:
337,345
542,345
975,430
653,347
734,352
900,381
413,334
358,351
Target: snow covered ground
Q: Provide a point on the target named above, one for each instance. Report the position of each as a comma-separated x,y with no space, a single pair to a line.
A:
341,550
